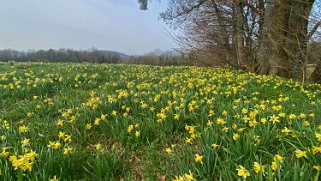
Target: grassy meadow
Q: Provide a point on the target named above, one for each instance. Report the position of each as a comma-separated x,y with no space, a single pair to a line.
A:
136,122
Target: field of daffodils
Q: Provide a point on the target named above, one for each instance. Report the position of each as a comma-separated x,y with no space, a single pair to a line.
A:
138,122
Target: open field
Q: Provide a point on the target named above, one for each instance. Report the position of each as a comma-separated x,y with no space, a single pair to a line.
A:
114,122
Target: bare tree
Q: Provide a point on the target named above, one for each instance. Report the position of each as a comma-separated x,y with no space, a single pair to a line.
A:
266,36
224,32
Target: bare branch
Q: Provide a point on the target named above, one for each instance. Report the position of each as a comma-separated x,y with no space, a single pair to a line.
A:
314,29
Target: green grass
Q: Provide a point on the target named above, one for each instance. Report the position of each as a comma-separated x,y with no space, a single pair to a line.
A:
113,122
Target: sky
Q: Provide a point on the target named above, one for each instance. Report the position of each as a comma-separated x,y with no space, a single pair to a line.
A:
116,25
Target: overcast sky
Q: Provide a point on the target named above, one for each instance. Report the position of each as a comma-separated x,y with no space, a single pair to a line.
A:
82,24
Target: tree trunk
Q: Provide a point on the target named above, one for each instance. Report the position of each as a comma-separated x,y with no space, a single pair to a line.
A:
296,40
316,75
239,36
261,12
284,39
271,57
